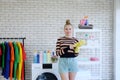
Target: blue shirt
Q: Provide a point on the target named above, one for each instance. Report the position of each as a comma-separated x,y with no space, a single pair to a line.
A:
7,61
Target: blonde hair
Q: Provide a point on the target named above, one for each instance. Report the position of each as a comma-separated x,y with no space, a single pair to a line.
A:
67,23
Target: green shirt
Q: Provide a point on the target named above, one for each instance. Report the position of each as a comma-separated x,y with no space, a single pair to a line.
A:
16,59
3,55
16,53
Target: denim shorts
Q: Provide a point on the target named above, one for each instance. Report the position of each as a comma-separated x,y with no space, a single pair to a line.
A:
68,65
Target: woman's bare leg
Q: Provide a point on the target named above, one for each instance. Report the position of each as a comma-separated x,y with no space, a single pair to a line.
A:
72,75
64,76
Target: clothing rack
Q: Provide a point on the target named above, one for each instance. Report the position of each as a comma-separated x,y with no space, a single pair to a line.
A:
15,38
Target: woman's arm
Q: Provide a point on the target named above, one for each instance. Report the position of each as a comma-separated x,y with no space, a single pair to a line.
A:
58,51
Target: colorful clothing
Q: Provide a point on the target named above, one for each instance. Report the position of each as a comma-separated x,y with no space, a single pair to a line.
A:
7,60
24,58
11,59
19,70
0,56
3,55
17,60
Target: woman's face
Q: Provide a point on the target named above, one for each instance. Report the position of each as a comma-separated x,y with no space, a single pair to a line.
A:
68,30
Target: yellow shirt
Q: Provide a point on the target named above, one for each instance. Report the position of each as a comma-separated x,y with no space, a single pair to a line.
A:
78,45
19,69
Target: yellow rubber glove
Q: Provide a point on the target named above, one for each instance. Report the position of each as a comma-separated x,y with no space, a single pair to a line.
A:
78,45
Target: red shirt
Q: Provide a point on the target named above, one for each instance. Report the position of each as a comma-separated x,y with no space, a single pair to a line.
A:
24,58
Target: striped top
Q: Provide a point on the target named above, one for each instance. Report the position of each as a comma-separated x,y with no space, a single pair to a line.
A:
62,47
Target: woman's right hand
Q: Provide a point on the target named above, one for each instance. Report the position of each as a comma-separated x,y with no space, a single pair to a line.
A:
71,46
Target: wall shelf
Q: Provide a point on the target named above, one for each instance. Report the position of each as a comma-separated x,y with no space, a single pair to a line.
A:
92,49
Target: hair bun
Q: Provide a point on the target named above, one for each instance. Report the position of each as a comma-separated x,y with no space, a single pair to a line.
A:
68,22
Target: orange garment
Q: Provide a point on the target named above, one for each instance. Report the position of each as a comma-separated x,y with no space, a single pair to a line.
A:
19,70
11,59
24,58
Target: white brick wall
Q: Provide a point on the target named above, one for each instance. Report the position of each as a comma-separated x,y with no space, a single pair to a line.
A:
42,21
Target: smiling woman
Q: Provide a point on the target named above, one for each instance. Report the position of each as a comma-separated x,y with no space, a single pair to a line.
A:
68,66
68,29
